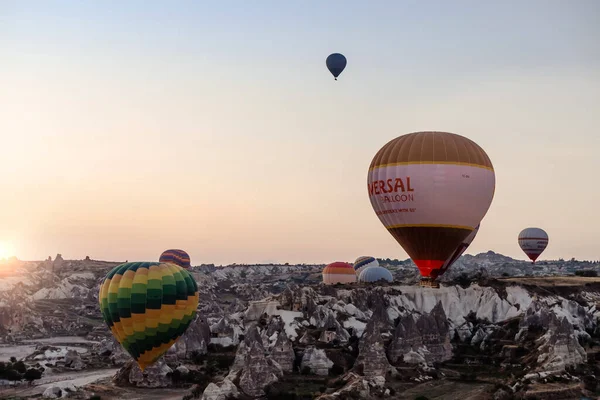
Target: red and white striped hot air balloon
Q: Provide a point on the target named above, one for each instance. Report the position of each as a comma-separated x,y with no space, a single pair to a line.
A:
339,272
431,190
533,241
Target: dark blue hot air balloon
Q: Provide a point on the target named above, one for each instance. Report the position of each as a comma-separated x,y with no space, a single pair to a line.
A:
336,63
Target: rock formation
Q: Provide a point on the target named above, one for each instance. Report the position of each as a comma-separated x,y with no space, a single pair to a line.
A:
153,376
355,387
296,298
224,390
59,391
283,353
258,372
558,347
378,302
225,332
372,360
111,348
73,360
428,335
195,340
275,325
57,263
239,362
316,360
306,339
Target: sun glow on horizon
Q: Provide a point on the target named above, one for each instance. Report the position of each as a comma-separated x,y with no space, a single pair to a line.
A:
6,250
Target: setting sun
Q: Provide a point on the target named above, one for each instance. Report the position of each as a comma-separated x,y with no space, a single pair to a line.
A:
6,250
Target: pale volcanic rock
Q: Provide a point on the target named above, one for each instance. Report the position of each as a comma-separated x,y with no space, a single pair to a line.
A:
259,309
226,332
238,362
316,360
428,335
73,360
372,360
276,324
283,353
306,339
182,369
224,390
355,387
259,372
52,392
153,376
113,349
296,298
559,347
194,340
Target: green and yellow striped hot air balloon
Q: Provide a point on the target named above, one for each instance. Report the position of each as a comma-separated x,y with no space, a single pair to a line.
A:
148,306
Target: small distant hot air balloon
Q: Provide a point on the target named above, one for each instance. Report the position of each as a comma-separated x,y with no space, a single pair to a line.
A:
460,250
431,190
375,274
339,272
533,242
336,63
177,257
364,262
148,306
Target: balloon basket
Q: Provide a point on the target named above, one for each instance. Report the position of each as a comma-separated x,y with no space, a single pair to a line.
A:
429,283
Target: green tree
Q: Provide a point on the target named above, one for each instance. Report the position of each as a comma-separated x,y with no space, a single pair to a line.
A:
32,374
12,375
20,367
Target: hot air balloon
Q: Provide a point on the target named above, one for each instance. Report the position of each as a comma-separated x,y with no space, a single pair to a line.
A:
430,190
336,63
375,274
177,257
364,262
460,250
533,242
148,306
339,272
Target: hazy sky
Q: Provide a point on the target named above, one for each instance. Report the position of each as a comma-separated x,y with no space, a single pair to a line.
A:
131,127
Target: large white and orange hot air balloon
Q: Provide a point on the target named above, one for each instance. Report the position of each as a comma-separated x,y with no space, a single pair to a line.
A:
431,190
339,272
533,242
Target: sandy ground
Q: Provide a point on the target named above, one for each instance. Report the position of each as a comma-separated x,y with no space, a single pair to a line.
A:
447,390
553,280
19,352
78,379
61,340
114,393
50,356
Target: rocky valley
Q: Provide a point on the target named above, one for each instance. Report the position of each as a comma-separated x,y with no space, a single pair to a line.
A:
497,328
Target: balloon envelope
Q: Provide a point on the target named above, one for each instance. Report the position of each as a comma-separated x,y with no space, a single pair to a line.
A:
533,241
430,190
375,274
460,250
364,262
339,272
336,63
177,257
148,306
